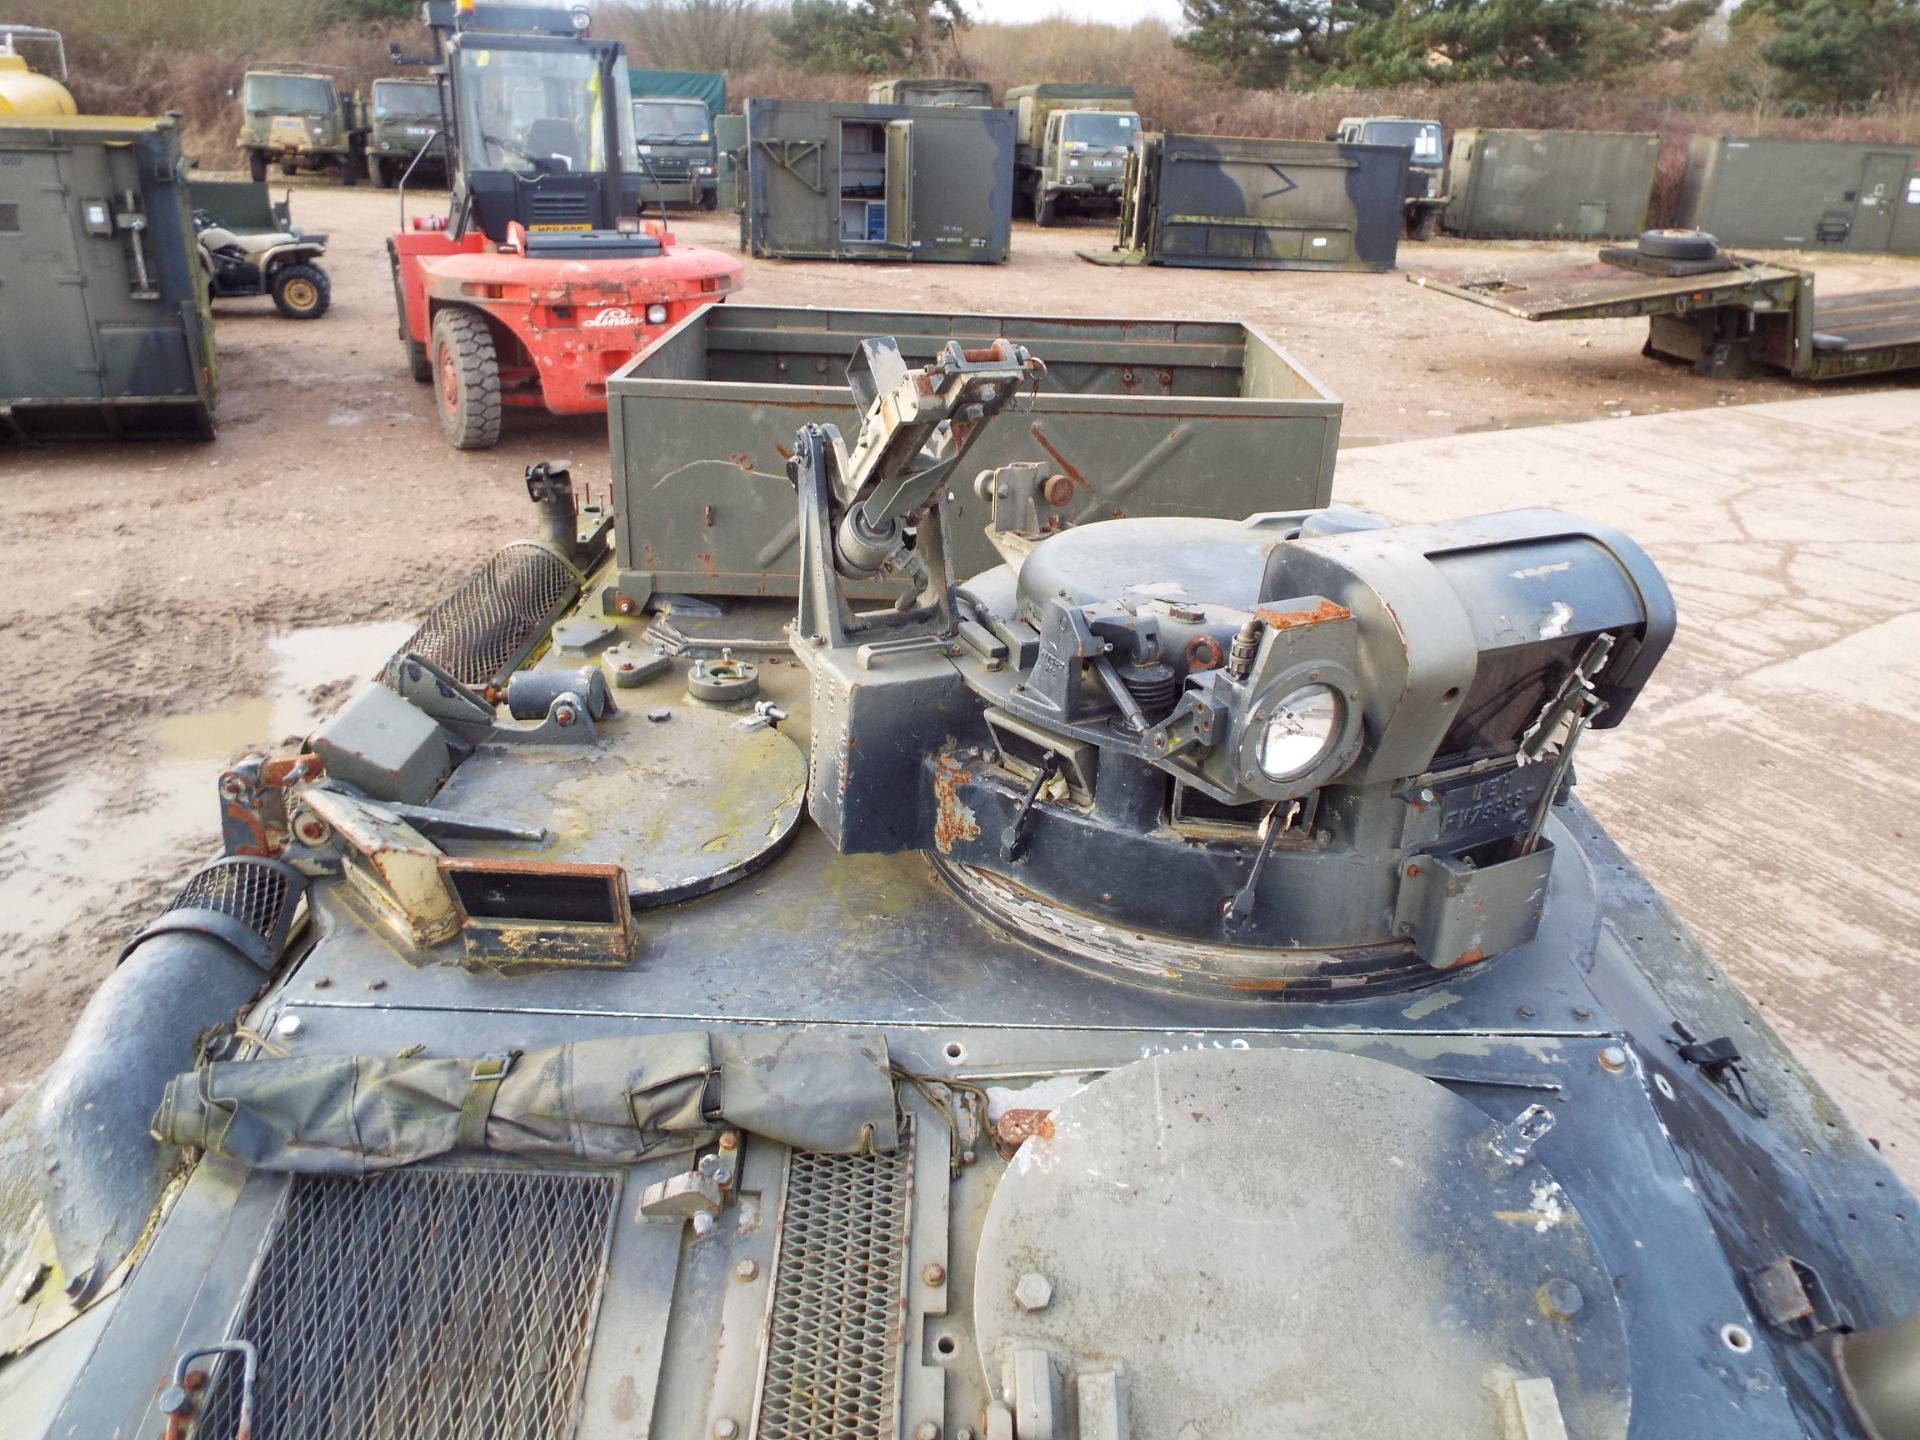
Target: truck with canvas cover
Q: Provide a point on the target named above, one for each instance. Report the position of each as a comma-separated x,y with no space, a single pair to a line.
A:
1423,141
1074,140
1549,184
105,331
33,72
840,181
543,279
1129,410
409,119
299,118
1803,194
1727,315
1163,983
675,151
1237,203
929,90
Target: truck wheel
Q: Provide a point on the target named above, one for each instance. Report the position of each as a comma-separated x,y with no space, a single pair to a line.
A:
377,169
1043,206
1678,245
1424,225
710,200
301,291
257,166
466,379
352,169
289,169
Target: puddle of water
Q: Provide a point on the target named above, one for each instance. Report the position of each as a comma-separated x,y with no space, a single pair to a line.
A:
74,852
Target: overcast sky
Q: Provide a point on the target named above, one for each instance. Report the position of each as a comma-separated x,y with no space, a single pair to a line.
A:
1119,12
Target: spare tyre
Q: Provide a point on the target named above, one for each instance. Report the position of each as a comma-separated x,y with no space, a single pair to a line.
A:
1678,245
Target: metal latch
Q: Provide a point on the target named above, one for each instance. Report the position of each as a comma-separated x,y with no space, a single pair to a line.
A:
1719,1060
1794,1299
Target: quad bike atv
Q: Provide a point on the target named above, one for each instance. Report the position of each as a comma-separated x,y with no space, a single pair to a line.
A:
542,280
280,263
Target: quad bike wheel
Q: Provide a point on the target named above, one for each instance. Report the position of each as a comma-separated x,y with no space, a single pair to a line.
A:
466,379
256,166
301,291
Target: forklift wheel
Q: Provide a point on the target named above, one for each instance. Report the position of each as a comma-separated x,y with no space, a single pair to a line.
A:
256,165
466,379
301,291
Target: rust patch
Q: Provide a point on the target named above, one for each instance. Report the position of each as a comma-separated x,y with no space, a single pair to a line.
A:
743,460
1015,1126
1203,653
1293,619
953,818
1266,984
1468,957
1067,467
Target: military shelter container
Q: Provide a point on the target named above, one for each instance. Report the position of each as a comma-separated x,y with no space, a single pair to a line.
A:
1229,202
878,182
102,303
730,149
1803,194
929,90
1549,184
1142,417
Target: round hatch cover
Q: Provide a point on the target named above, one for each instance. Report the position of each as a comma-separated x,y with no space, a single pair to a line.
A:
1294,1242
684,804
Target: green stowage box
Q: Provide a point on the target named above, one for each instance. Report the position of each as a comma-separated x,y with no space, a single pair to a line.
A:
1144,417
1803,194
829,181
1225,202
1549,184
104,327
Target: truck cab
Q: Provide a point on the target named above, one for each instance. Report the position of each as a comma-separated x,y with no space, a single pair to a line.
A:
675,152
302,120
408,117
1073,144
1424,141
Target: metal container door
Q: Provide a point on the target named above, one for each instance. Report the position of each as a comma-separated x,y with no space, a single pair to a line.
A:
40,265
900,184
1883,186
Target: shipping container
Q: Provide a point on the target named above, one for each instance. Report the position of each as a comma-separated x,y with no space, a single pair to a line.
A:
1803,194
878,182
1549,184
1253,204
105,330
1142,417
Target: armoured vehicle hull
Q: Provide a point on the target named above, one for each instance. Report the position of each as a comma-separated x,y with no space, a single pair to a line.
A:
878,182
1803,194
1230,203
1012,1091
104,277
1549,184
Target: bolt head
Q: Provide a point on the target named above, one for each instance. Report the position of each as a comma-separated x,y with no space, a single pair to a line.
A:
725,1429
703,1224
934,1273
1614,1058
926,1430
289,1026
1033,1292
1561,1298
747,1270
175,1401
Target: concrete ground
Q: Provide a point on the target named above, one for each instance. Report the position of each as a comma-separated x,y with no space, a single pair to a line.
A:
1768,781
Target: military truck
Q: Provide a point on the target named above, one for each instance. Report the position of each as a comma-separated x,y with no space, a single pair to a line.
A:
1426,165
1163,984
929,90
302,120
409,117
676,155
1072,143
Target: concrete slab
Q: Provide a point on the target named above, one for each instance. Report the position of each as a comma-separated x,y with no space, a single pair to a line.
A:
1768,781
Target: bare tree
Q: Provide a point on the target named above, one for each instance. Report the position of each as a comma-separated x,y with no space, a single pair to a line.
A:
692,34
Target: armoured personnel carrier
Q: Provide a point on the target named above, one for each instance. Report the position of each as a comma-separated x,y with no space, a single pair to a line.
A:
1160,986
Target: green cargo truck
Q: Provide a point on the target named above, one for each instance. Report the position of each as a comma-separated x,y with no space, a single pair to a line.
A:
1728,316
104,313
1803,194
835,181
1240,203
1549,184
1074,140
678,160
301,119
408,117
1423,140
930,90
1129,412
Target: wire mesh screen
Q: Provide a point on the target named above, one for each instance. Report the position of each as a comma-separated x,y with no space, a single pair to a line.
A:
260,894
833,1343
424,1304
495,617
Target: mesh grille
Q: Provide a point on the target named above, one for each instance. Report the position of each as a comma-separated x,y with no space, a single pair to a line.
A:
257,893
424,1304
559,209
490,623
833,1342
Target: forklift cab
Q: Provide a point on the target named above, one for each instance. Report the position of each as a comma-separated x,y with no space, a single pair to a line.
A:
542,125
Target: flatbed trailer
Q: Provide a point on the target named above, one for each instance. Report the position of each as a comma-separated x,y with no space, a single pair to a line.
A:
1728,315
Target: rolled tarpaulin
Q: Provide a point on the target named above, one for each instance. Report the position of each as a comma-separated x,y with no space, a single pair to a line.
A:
612,1101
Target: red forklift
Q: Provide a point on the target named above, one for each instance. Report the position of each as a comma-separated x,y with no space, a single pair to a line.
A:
543,278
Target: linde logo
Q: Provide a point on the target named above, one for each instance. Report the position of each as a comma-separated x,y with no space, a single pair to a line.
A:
614,315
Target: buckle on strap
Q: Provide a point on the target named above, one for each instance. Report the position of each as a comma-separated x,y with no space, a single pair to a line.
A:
495,1067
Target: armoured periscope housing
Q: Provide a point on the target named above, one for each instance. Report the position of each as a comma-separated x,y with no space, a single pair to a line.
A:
1267,1048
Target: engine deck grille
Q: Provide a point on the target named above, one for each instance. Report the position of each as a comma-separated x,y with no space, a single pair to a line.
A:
424,1304
488,625
832,1365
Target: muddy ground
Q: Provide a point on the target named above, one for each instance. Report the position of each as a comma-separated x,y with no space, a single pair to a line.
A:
161,605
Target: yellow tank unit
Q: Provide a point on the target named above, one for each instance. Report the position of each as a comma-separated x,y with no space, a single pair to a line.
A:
25,90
